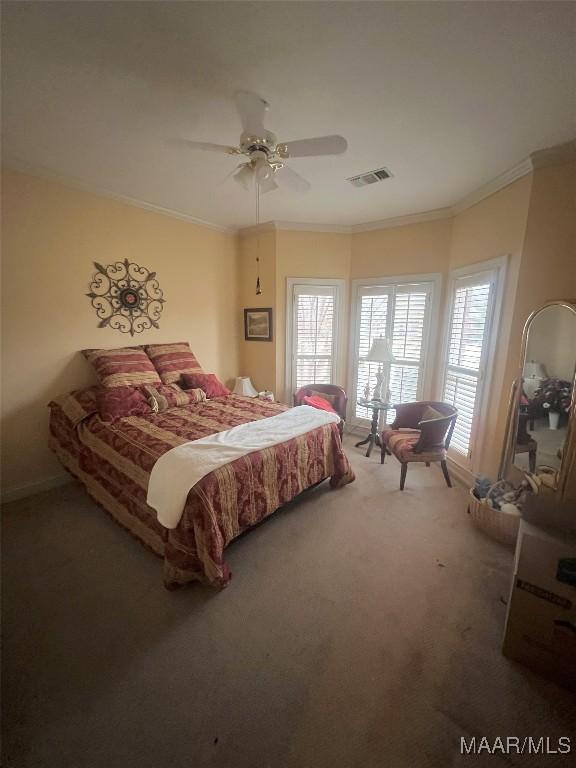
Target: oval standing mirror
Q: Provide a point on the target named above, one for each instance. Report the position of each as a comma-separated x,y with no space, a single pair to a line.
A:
543,401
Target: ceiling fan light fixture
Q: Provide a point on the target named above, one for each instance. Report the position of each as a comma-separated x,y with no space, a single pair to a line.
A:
268,185
265,153
262,169
244,176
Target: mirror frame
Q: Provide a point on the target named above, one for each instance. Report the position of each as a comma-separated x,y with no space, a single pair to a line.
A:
569,454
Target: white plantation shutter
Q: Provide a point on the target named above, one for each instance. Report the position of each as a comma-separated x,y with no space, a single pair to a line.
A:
407,338
408,327
403,384
460,391
468,333
313,335
401,313
373,322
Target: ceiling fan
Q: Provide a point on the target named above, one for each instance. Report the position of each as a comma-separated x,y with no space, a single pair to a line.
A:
265,153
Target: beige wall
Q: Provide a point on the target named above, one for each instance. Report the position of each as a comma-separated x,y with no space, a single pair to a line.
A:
549,255
309,254
283,254
496,227
51,236
532,221
258,358
408,250
412,249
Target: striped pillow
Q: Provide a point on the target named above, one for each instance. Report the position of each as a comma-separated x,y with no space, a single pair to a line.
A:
164,396
125,367
172,360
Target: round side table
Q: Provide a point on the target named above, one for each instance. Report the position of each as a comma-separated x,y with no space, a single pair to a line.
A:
374,437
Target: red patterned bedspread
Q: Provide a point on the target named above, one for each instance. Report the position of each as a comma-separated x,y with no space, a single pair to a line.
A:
114,461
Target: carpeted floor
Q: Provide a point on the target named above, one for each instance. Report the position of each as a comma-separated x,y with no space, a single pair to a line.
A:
362,629
549,441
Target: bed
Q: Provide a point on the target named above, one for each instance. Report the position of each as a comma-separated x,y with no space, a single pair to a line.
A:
113,460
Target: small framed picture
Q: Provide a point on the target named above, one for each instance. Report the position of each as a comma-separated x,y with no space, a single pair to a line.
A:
258,324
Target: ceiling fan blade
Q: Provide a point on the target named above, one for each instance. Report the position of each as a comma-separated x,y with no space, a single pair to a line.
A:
268,185
291,180
244,176
252,109
206,145
322,145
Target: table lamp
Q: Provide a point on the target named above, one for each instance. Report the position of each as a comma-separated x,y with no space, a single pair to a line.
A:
380,352
534,374
244,386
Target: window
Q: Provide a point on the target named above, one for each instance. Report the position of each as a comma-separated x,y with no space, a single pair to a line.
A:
472,324
312,341
373,322
407,339
402,313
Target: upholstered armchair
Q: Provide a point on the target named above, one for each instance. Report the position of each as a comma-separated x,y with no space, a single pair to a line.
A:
334,394
420,432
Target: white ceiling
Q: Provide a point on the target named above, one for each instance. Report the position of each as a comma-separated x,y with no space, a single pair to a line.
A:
446,95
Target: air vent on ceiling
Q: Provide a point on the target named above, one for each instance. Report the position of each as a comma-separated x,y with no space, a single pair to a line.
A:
370,178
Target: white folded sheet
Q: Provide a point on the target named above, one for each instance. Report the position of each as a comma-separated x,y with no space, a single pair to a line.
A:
180,468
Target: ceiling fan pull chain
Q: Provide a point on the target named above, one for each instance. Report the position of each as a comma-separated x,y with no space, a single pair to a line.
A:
257,185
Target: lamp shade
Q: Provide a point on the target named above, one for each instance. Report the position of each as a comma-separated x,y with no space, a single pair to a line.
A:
380,351
534,369
244,386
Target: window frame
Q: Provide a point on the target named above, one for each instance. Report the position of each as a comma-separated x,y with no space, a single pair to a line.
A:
339,284
429,339
497,269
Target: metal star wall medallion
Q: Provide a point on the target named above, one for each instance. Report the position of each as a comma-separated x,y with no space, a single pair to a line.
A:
126,297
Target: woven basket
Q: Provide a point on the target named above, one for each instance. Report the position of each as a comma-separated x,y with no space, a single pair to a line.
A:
499,525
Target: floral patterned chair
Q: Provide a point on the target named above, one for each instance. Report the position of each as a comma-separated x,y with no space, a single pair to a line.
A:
420,432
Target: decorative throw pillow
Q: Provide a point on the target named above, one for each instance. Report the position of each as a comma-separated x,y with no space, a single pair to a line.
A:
318,402
330,398
209,382
431,413
78,405
164,396
125,367
172,360
119,402
435,429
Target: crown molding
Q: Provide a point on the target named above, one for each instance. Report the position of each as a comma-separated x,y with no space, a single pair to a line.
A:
298,226
556,155
293,226
82,186
493,186
560,154
401,221
256,229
